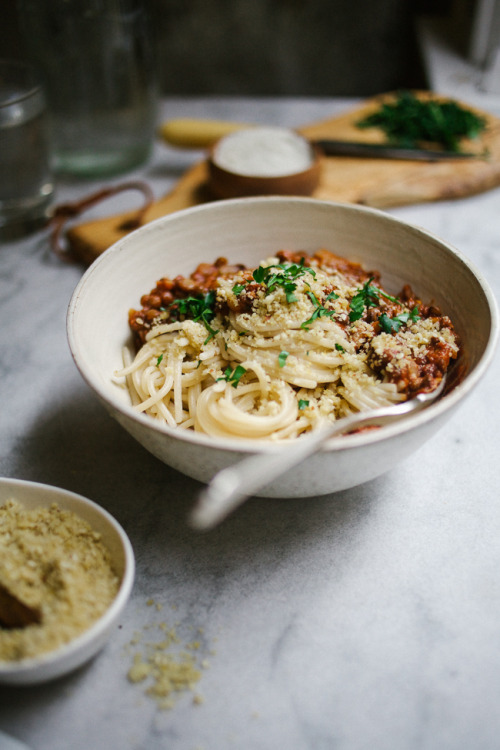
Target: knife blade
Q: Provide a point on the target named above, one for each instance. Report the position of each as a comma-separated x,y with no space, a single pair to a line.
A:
331,147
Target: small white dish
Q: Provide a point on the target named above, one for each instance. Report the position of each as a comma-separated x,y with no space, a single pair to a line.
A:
72,655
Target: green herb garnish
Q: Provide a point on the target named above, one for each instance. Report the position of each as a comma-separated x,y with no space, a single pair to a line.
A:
319,311
339,348
367,296
159,360
411,122
233,376
198,309
282,358
303,403
392,325
284,276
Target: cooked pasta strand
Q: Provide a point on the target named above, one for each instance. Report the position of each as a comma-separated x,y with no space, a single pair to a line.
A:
272,362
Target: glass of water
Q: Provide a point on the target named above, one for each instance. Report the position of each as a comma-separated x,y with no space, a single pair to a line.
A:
98,62
26,184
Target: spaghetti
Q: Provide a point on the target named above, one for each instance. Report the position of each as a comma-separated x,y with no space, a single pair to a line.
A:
276,351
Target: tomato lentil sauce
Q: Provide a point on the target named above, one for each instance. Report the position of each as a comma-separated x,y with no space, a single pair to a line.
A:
418,374
161,298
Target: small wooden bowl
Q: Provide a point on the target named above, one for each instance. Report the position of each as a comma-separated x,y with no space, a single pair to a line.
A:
230,183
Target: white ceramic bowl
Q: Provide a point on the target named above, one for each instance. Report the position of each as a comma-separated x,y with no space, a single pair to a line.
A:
72,655
248,230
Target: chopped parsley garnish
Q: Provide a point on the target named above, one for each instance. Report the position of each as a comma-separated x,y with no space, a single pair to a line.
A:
233,376
198,309
281,275
238,288
285,272
303,403
159,360
282,358
289,289
410,121
392,325
319,311
332,295
339,348
367,296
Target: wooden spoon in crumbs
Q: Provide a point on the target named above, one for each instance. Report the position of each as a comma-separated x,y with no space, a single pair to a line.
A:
15,613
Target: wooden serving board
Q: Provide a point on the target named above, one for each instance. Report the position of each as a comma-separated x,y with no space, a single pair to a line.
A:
380,183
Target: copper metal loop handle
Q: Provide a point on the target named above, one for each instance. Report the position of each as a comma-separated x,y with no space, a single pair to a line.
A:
66,211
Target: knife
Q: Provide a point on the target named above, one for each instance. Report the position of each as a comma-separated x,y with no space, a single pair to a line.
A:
192,133
332,147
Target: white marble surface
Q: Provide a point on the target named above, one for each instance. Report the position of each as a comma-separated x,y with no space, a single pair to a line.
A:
368,620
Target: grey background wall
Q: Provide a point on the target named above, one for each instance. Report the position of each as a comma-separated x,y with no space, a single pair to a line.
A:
273,47
295,47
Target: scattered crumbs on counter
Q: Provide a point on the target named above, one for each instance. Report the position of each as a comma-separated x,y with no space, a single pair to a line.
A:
151,603
54,563
165,666
136,638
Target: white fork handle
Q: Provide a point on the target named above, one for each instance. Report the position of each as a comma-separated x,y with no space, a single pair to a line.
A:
231,486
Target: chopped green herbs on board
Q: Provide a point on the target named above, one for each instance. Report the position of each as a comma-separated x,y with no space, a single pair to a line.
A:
233,376
411,122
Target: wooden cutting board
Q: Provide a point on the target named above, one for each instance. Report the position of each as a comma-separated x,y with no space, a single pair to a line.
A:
380,183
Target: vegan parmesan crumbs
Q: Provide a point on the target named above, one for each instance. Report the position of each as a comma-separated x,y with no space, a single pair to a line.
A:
55,565
167,667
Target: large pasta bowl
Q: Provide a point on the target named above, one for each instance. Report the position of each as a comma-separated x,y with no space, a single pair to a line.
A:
246,231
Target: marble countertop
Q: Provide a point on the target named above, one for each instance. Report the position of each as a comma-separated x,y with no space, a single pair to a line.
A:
365,620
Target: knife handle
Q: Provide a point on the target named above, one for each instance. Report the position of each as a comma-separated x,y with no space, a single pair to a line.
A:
192,133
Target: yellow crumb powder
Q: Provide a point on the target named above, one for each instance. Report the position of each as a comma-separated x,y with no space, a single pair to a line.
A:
166,667
52,560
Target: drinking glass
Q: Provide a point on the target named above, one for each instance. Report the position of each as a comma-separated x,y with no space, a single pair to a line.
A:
26,184
98,62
